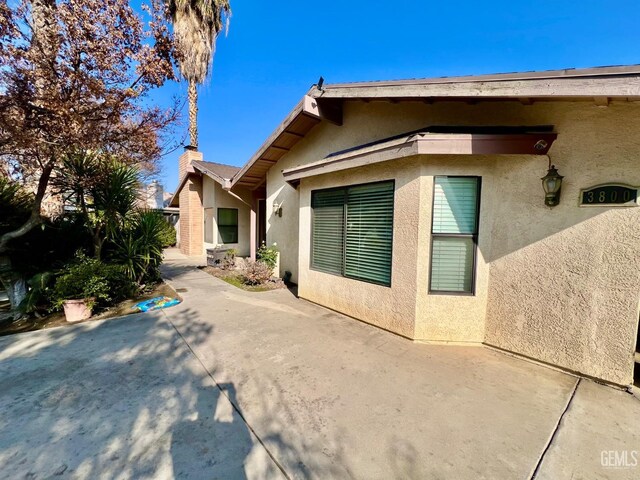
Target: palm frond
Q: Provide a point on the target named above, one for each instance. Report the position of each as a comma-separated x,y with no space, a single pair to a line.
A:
197,24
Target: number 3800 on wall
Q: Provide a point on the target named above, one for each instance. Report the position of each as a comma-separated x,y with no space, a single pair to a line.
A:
609,194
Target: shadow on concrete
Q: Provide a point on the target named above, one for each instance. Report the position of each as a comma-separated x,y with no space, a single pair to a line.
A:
124,398
173,270
274,414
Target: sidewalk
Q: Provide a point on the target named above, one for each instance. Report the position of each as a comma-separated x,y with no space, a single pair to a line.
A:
332,397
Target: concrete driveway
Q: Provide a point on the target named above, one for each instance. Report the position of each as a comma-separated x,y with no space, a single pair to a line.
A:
232,384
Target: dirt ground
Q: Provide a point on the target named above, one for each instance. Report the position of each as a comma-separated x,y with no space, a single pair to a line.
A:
57,319
233,277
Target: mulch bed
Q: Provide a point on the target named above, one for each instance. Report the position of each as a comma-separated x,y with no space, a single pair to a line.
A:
233,277
57,319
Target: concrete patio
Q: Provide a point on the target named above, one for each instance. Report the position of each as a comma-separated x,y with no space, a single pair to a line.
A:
234,384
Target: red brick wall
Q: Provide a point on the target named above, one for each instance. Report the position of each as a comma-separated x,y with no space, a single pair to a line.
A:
191,239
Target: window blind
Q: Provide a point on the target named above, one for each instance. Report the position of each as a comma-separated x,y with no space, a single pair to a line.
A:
454,234
352,231
451,264
454,205
369,232
327,231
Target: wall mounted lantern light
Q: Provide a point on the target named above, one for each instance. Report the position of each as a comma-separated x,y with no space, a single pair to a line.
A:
277,209
552,184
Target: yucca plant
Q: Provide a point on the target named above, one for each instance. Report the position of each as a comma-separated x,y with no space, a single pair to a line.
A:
103,190
138,248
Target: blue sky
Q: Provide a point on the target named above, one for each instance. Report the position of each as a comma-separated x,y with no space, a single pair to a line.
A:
276,50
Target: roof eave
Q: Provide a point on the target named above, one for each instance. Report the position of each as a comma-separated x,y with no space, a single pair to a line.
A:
428,144
224,182
314,110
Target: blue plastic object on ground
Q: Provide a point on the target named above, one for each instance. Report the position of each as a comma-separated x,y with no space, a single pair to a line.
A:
155,304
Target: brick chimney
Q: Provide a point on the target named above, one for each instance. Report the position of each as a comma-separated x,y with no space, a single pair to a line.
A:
184,162
191,239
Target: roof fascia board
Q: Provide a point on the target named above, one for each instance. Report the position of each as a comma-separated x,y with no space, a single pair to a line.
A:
628,86
620,70
181,184
226,183
297,110
308,105
426,144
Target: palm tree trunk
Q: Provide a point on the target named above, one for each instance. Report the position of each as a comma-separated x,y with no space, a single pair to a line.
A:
193,114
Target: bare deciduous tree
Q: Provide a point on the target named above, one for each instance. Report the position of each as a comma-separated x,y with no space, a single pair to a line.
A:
75,76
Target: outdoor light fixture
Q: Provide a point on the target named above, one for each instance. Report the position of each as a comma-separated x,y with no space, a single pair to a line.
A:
552,184
277,209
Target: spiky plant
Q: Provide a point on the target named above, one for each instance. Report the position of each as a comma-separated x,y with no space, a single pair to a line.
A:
196,26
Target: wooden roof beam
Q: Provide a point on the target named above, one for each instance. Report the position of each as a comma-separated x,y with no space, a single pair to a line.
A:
329,109
294,134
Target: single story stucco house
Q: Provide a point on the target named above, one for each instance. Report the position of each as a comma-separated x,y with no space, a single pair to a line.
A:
418,206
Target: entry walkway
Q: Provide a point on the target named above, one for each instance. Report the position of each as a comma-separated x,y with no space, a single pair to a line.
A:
232,384
330,397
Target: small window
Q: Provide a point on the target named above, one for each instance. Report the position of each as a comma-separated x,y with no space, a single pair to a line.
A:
208,225
352,231
228,225
454,234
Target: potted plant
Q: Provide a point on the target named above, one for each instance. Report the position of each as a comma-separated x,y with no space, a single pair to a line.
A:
80,286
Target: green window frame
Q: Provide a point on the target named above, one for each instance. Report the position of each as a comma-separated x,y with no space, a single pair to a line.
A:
228,225
352,231
454,234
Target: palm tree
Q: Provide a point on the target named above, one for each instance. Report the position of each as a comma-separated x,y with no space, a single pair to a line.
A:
196,25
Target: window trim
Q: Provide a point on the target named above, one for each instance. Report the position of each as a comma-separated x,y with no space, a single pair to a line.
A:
218,225
473,236
344,230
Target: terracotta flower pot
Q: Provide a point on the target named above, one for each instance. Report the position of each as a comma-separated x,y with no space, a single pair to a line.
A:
78,310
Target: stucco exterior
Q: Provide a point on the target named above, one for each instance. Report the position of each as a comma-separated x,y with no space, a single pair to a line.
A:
214,197
559,285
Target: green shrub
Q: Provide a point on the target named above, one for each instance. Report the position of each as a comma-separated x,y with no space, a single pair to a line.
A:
90,278
268,255
39,291
168,235
15,204
138,248
256,273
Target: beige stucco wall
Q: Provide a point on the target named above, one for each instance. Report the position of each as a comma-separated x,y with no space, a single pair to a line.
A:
564,282
443,317
559,285
283,230
392,308
214,197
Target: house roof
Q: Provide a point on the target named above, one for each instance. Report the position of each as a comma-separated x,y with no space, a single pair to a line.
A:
219,169
593,72
439,140
599,85
219,172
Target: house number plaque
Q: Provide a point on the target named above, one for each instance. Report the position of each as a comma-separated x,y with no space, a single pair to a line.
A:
609,194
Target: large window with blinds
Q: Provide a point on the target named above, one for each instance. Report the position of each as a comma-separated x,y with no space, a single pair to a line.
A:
454,234
352,231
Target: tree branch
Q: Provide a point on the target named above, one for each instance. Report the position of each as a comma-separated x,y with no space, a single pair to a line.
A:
35,218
